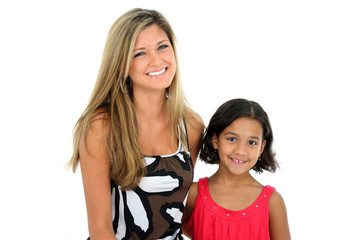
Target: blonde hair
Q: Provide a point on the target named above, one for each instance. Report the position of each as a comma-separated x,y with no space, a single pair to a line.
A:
112,95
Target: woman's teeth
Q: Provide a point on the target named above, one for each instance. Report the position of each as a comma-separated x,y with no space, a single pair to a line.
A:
157,73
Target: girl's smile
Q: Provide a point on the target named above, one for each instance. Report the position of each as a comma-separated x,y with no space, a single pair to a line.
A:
238,162
239,146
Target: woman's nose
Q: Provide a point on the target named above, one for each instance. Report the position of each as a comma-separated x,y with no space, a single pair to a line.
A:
155,59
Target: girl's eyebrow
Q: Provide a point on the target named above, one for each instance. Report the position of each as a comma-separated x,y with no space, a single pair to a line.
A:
254,137
235,134
231,133
143,48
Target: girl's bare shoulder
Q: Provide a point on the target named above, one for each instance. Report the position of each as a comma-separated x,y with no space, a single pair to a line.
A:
276,199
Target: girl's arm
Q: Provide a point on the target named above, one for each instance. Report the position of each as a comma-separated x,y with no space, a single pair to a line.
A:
279,227
95,170
193,192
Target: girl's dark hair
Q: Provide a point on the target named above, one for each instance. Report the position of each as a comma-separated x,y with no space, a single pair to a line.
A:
224,116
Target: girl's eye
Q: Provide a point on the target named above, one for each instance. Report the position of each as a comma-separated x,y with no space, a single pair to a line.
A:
139,54
231,139
163,46
252,143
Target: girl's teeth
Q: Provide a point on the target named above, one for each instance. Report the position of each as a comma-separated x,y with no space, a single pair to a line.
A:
156,73
238,161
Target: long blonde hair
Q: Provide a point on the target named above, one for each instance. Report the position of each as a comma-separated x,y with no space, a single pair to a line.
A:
112,95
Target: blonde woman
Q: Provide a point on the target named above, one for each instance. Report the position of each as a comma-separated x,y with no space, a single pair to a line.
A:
137,140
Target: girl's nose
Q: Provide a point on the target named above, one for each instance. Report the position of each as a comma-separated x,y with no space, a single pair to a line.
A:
240,149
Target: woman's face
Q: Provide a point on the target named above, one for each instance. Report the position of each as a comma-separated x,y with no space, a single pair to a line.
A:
153,64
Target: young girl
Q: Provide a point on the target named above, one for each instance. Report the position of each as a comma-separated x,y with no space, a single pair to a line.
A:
231,204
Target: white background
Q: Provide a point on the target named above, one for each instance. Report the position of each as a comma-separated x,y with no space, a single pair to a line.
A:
299,59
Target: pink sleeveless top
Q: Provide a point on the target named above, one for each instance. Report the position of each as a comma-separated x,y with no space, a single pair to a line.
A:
210,221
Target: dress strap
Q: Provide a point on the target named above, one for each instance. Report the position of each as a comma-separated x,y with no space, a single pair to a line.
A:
185,132
203,186
266,194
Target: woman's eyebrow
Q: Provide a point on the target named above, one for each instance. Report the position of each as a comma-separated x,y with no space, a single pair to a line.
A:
143,48
165,40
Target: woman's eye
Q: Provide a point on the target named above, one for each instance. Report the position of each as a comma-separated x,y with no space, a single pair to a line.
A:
163,46
139,54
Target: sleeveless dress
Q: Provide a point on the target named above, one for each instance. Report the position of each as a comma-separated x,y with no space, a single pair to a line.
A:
154,209
210,221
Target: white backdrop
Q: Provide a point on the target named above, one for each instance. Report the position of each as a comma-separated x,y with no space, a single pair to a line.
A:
299,59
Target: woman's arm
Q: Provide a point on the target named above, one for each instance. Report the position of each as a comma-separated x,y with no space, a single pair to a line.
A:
95,170
279,227
195,134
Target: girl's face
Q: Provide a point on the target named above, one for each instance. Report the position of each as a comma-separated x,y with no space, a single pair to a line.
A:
153,64
239,146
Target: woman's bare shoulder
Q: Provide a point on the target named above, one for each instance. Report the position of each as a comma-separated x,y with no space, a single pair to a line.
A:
194,121
195,130
94,139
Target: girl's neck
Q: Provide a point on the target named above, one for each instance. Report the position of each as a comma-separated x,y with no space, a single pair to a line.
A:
229,179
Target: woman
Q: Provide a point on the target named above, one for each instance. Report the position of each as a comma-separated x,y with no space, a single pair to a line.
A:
137,141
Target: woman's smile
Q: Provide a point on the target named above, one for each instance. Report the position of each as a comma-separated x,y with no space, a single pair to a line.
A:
156,74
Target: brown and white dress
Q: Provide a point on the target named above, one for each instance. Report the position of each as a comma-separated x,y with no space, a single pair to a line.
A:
154,209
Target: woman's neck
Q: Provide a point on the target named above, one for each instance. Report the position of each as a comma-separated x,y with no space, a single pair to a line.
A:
150,107
153,122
